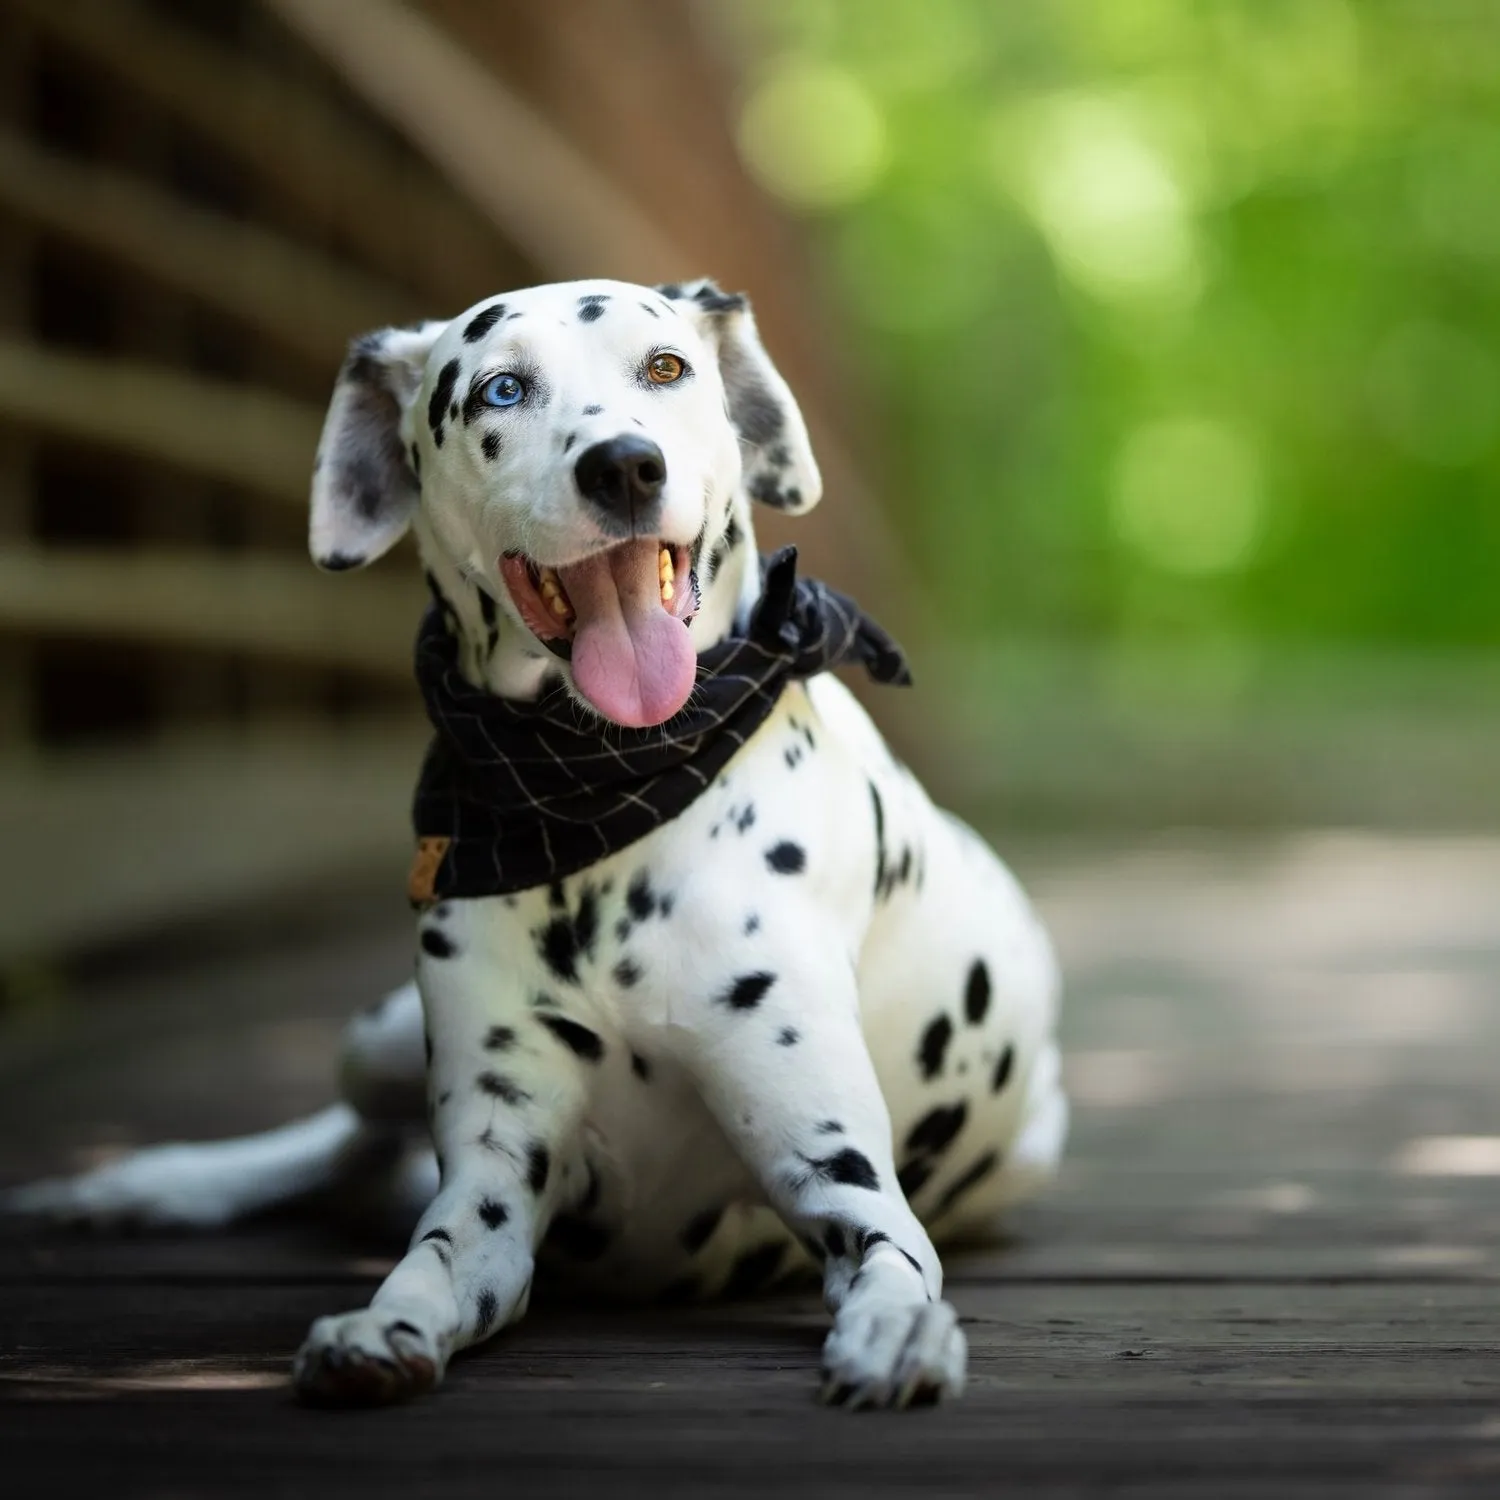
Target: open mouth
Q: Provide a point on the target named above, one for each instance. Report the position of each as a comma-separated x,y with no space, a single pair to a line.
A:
623,614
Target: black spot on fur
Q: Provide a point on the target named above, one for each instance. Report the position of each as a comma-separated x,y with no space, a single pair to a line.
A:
848,1167
568,442
914,1175
788,1036
499,1039
830,1127
580,1238
482,321
792,755
538,1166
647,307
498,1086
586,921
977,993
747,991
934,1046
639,900
591,307
711,299
699,1229
746,818
579,1040
627,973
755,412
786,858
640,1067
490,445
564,940
592,411
437,944
486,1310
834,1242
752,925
493,1213
935,1131
437,1236
442,394
754,1269
977,1173
1003,1068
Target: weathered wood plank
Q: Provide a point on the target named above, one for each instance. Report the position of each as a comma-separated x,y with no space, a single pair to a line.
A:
265,603
305,301
253,439
1232,1291
338,173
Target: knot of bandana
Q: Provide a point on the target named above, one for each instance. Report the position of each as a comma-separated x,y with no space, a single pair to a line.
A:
514,795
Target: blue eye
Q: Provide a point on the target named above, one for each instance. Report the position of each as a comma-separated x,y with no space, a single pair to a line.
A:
503,390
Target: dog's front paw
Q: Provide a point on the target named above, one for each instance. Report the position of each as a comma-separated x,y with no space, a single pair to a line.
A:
365,1358
901,1354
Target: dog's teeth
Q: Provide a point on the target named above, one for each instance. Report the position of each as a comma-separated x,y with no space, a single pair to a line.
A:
666,591
559,606
664,565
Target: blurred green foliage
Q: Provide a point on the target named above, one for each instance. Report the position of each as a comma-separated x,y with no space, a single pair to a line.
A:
1180,318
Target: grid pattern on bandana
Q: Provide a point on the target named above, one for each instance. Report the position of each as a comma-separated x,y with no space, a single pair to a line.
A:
527,793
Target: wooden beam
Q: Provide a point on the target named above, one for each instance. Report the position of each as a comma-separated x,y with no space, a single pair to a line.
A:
341,176
252,438
508,160
263,604
306,302
108,843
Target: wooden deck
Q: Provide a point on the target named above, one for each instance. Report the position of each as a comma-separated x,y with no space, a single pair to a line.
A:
1272,1265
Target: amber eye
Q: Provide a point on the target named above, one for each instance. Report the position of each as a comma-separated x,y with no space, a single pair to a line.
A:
664,369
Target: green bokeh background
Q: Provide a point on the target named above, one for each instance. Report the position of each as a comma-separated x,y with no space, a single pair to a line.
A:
1178,320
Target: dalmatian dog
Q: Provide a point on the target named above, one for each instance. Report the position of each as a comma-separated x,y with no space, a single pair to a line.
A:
805,1025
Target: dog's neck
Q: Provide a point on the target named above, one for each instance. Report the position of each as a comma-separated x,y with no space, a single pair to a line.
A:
503,657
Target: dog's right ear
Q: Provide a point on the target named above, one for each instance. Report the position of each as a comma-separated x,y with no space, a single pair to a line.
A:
365,485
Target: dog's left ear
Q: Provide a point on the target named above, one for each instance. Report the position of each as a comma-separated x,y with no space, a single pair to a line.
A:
365,486
779,467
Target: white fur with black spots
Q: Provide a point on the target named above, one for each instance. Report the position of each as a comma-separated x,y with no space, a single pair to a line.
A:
808,1025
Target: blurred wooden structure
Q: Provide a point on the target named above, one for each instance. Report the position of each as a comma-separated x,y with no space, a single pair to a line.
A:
200,202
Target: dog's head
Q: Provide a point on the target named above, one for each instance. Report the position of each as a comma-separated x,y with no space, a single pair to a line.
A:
579,454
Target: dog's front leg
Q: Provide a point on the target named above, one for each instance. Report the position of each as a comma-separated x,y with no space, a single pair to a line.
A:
506,1099
781,1061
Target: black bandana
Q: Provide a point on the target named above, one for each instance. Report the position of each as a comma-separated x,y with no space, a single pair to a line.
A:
514,795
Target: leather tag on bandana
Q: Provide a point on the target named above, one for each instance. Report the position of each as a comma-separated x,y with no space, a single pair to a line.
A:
424,867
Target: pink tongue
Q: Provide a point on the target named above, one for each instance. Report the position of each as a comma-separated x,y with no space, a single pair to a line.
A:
631,659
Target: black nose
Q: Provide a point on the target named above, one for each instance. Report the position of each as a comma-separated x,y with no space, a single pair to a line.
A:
623,476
